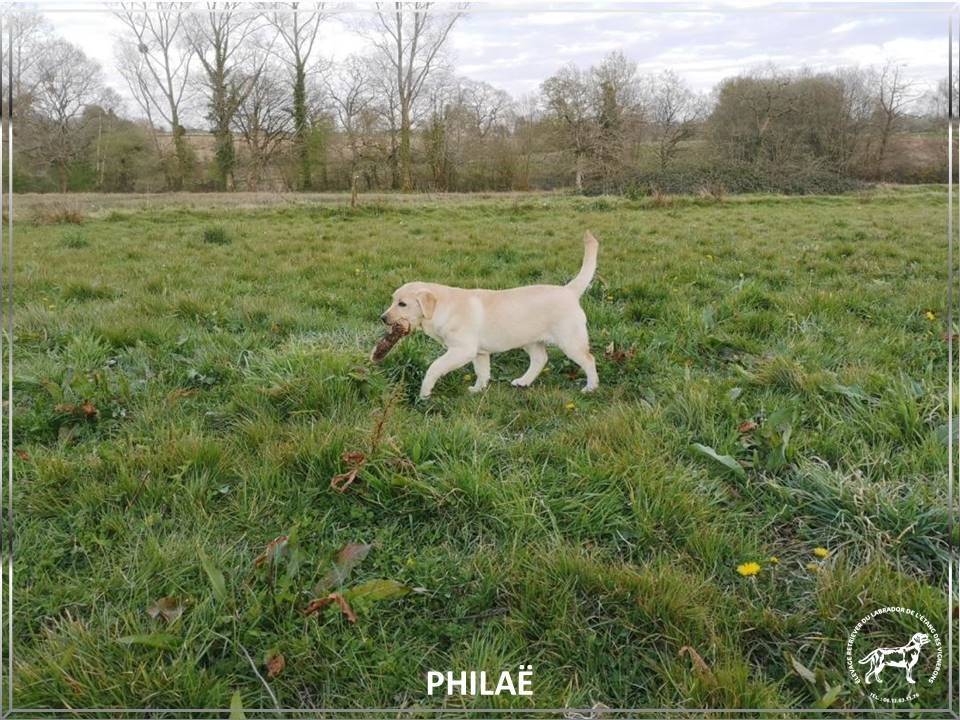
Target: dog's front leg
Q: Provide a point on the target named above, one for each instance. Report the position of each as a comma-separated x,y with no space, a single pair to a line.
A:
481,365
452,359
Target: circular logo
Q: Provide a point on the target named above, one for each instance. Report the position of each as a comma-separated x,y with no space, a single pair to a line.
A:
892,672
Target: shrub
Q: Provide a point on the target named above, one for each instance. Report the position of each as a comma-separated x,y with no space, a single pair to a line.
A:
74,239
714,180
58,213
216,235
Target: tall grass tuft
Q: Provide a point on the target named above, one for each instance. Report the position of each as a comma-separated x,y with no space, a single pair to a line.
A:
216,235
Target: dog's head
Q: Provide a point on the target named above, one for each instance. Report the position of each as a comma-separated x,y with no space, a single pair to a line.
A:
412,304
919,639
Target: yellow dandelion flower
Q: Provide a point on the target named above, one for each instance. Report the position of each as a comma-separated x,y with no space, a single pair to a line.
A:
821,552
748,569
570,406
930,316
774,560
813,567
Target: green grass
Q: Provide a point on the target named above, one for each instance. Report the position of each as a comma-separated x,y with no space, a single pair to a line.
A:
583,535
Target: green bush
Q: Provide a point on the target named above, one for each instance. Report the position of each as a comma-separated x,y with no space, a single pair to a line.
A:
732,179
216,235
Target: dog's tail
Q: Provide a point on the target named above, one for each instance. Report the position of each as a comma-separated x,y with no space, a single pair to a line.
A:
582,281
871,658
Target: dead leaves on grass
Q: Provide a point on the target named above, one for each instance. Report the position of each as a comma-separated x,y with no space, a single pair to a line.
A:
167,607
355,461
321,603
275,664
746,426
270,554
85,410
349,556
618,356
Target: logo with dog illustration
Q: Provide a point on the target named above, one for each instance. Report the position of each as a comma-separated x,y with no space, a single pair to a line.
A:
909,659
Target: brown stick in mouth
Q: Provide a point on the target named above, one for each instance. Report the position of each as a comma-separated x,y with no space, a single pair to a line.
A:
386,343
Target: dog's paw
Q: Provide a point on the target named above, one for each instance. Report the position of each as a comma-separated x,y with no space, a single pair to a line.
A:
519,382
476,388
589,389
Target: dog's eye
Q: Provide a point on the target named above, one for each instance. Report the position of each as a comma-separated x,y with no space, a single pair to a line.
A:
402,304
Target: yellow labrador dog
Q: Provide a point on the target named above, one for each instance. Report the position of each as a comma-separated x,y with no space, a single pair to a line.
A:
473,324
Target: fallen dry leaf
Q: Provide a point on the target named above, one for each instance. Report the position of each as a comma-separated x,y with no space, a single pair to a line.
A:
87,409
181,393
275,665
320,603
618,356
355,460
271,551
747,426
350,555
168,607
23,455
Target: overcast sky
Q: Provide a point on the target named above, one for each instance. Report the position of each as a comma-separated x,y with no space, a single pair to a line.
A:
515,46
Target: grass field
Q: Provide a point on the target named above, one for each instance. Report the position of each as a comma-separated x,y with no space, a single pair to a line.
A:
187,382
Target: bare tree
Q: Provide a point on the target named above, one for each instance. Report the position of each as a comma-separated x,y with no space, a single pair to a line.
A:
352,93
30,31
221,36
615,92
893,95
64,82
567,97
487,105
672,109
383,80
156,66
853,119
409,37
264,122
297,26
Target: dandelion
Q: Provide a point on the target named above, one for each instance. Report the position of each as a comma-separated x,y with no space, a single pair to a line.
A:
821,552
813,567
930,316
468,377
748,569
774,560
570,406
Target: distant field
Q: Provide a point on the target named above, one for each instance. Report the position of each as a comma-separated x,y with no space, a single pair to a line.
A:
187,380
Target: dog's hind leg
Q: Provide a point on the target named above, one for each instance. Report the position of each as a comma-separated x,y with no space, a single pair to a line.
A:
576,346
481,366
538,358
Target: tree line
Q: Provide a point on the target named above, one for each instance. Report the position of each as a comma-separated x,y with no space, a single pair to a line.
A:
234,97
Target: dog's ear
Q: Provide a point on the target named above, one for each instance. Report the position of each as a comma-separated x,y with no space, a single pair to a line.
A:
427,302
